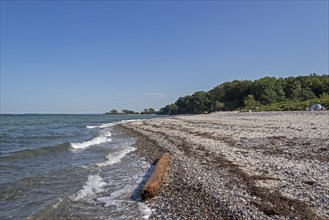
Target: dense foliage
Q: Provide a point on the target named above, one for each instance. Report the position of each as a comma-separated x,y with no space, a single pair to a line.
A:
148,111
265,94
124,112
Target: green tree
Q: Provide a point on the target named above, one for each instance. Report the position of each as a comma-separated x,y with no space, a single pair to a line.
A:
317,84
200,102
184,105
325,81
146,111
216,96
219,106
250,101
232,94
268,90
126,111
113,112
171,109
151,111
306,84
293,88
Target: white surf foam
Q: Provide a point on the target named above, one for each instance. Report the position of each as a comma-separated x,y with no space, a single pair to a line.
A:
115,198
94,185
56,205
107,125
105,137
116,156
145,210
118,199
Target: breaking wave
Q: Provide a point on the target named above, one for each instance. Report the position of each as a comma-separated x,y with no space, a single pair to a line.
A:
108,125
116,157
94,185
103,138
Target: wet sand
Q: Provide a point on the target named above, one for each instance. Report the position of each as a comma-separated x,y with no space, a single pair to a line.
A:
230,165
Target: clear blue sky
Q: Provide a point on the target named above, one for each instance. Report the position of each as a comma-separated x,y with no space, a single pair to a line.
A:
92,56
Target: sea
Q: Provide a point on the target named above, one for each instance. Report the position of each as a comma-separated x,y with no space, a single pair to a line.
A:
70,167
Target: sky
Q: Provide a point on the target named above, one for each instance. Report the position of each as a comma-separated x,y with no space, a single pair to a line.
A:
94,56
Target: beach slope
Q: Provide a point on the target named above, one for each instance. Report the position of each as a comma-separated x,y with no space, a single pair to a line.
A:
230,165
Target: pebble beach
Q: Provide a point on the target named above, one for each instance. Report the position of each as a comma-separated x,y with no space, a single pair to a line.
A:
231,165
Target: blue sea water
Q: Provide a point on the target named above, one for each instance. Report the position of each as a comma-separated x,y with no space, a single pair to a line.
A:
69,167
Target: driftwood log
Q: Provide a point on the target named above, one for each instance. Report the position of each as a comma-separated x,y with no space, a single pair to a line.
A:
154,183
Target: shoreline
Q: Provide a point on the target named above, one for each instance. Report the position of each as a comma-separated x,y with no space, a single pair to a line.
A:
229,165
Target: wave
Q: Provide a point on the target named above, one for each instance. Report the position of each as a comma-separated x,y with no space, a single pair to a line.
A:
28,153
94,185
116,157
105,137
145,210
117,201
114,199
107,125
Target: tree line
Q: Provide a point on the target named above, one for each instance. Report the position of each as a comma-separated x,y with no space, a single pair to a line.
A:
265,94
130,112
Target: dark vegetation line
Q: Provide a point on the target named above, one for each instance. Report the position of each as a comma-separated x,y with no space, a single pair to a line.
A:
265,94
147,111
